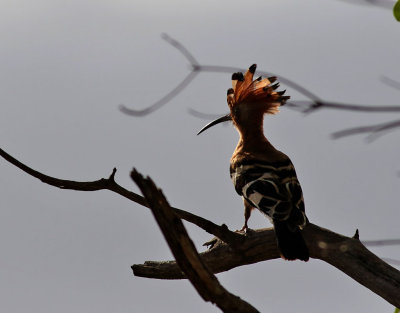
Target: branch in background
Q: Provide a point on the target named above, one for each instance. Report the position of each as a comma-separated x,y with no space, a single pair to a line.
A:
195,68
390,82
380,243
375,130
158,104
347,254
308,106
184,251
311,106
205,116
384,4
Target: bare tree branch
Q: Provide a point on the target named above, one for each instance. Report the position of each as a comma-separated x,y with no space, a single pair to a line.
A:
174,92
204,116
380,243
234,239
182,49
374,130
221,232
184,251
309,106
158,104
284,80
195,68
390,82
345,253
306,106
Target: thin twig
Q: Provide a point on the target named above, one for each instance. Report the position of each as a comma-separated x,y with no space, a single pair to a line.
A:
377,3
221,232
204,116
379,243
309,106
181,48
374,130
290,83
390,82
165,99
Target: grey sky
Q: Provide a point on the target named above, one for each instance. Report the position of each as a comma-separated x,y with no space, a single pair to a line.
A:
65,68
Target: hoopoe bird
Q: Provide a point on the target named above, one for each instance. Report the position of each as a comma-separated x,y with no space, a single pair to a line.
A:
264,176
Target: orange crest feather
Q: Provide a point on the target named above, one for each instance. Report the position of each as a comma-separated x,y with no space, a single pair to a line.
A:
245,89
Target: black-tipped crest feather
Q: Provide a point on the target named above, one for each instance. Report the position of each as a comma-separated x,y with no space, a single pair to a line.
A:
252,69
238,76
275,86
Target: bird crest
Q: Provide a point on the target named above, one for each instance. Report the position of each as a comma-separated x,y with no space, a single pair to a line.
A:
260,91
258,96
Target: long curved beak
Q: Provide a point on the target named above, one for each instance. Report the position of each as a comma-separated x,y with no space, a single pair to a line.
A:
224,118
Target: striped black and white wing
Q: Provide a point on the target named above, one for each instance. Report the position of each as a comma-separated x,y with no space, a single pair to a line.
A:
271,187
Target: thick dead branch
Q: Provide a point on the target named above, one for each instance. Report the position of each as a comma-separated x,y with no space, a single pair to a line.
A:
184,251
259,245
347,254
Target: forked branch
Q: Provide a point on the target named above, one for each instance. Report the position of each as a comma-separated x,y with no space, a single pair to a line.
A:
347,254
184,251
313,104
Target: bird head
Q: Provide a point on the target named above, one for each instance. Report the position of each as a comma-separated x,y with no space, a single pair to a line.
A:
248,99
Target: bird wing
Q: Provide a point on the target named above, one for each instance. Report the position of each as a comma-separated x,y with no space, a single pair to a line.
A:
271,187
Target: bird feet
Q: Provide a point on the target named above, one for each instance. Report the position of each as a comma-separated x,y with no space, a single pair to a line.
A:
245,229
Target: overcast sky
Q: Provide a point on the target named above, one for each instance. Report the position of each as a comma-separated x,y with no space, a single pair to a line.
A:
65,68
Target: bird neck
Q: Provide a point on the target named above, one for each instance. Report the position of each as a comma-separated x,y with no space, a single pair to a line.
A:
252,137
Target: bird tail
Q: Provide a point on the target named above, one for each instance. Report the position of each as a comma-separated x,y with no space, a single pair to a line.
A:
291,243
